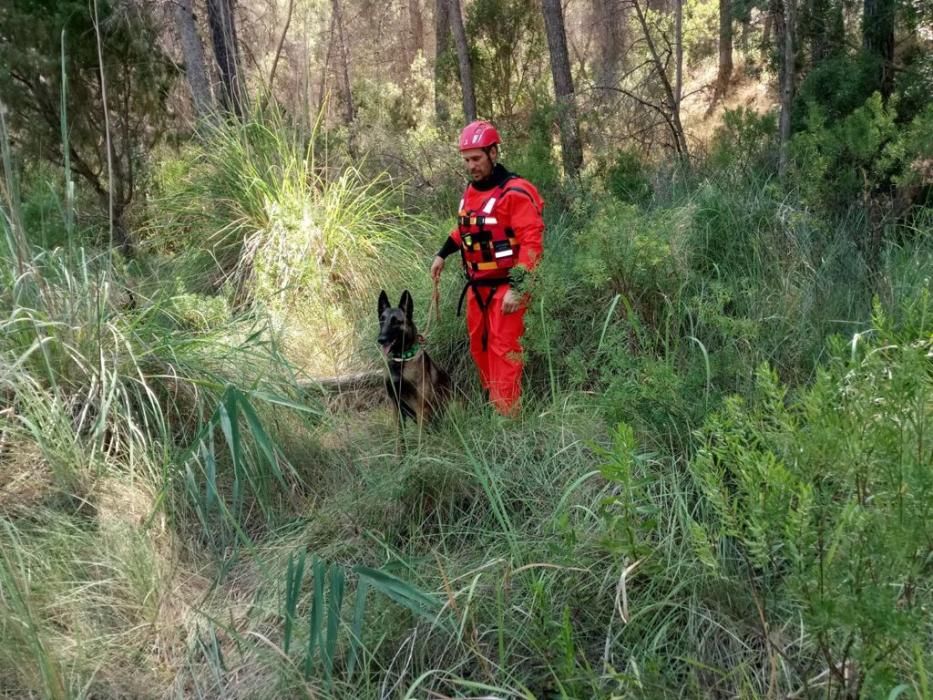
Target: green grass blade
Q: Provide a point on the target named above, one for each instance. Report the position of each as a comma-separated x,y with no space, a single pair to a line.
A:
401,592
316,616
293,577
336,578
359,608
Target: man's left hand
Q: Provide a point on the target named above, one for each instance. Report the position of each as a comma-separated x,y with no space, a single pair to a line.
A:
511,302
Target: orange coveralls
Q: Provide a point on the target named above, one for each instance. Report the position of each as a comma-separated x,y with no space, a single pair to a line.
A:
495,336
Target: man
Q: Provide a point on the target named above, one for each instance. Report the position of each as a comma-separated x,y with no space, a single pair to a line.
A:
499,235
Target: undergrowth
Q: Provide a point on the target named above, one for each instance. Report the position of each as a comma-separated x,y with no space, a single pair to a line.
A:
719,484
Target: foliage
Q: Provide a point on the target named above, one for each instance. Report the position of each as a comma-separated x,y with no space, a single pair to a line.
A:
306,241
839,534
627,179
838,86
851,160
700,30
45,42
508,55
718,484
744,145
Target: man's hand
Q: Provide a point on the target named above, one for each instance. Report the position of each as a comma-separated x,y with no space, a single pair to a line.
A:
437,267
511,302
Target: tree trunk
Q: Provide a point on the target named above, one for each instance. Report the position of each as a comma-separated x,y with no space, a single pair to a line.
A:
441,47
878,41
322,83
416,25
678,55
463,56
193,51
227,52
281,45
344,59
608,28
725,47
563,86
785,31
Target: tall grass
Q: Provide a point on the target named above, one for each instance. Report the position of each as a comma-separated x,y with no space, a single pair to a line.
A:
308,240
112,403
177,515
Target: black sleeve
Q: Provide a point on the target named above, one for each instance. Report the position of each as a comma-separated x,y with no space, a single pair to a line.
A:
450,246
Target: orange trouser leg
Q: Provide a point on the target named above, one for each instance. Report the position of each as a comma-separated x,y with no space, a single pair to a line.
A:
500,363
475,324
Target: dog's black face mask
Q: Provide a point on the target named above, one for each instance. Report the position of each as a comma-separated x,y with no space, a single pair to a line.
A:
397,332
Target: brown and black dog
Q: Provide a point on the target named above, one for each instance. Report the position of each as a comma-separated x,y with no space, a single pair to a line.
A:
417,387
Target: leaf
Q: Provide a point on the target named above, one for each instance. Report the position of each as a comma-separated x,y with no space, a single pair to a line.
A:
401,592
335,601
897,691
261,437
359,608
293,577
316,616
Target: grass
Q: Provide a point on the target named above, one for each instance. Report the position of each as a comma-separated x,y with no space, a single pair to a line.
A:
178,517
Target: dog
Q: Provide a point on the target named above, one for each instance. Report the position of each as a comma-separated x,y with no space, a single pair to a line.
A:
418,388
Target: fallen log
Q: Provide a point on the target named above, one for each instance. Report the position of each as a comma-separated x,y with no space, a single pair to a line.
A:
344,382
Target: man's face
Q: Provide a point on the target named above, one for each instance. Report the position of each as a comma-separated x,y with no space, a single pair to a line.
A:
478,163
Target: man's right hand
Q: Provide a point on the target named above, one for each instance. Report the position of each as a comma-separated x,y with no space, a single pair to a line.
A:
437,267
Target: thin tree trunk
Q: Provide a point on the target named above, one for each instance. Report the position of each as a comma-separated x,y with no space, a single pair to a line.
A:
878,40
463,56
725,47
441,47
563,86
226,51
278,50
787,80
344,57
678,55
322,85
193,51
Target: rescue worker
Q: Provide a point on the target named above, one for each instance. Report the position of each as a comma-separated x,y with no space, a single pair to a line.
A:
499,236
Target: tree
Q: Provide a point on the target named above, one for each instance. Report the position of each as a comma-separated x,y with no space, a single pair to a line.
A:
563,86
416,25
724,74
220,15
463,56
442,47
136,77
678,55
510,50
608,29
193,51
785,23
344,67
878,41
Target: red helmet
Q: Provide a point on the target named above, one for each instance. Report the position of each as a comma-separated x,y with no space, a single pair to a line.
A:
478,134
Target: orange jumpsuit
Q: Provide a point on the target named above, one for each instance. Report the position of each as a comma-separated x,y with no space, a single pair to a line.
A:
495,336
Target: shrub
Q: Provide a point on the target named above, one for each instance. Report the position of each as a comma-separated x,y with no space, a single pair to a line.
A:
824,500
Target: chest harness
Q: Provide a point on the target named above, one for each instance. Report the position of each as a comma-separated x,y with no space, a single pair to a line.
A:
488,249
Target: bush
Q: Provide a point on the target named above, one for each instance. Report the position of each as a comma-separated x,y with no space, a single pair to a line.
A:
807,505
627,178
744,145
823,501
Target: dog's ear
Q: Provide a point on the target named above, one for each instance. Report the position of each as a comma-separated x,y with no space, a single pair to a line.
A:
383,302
407,304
